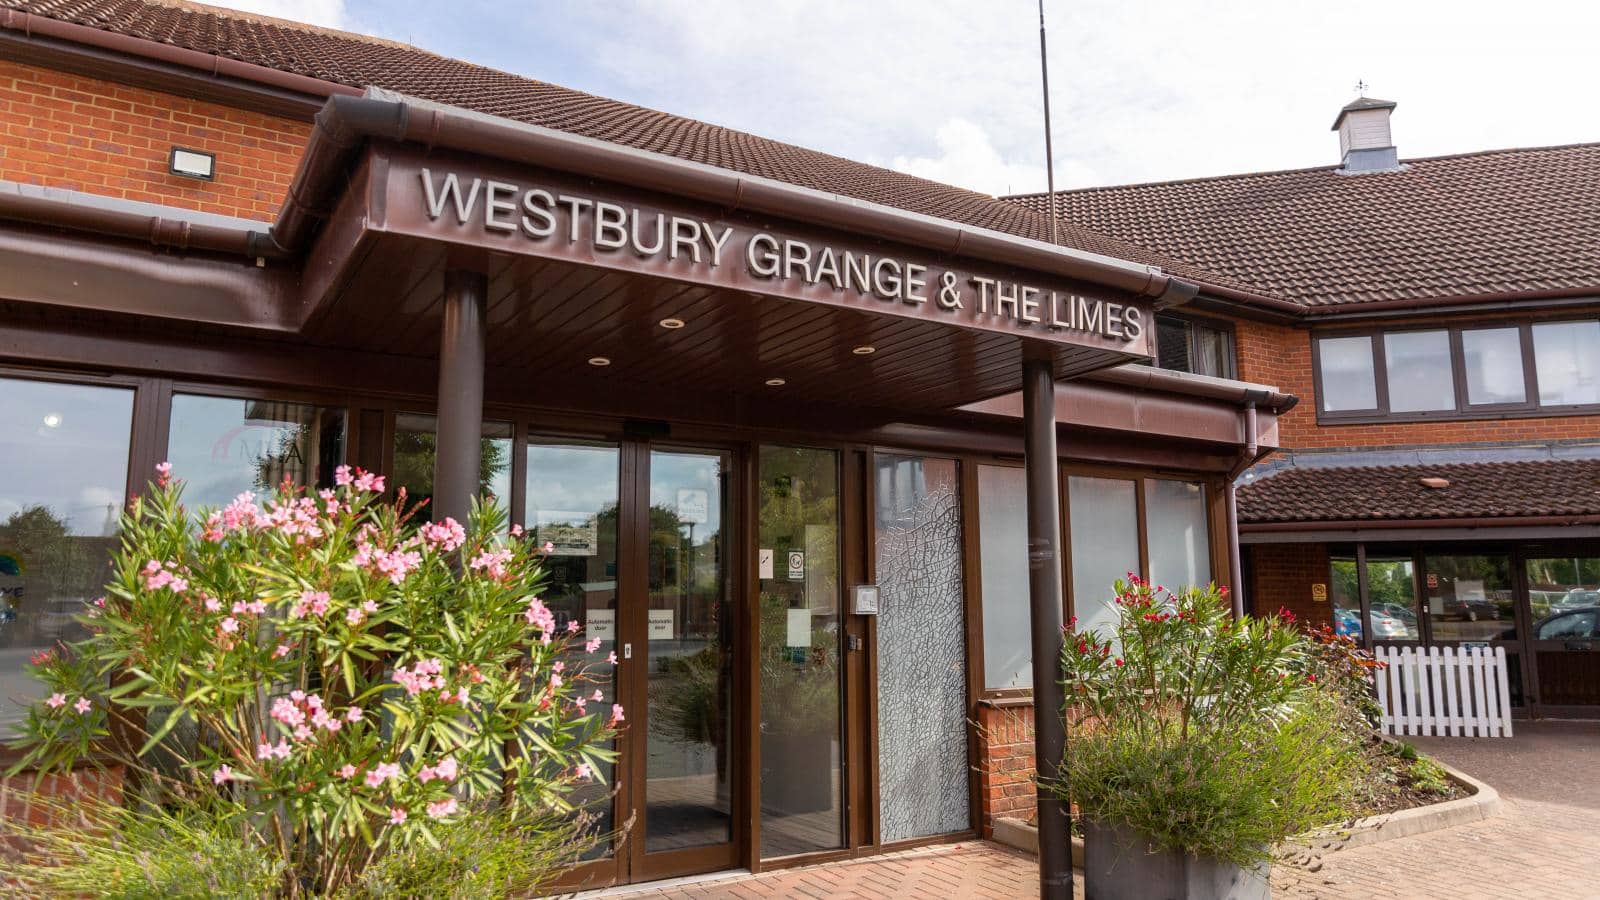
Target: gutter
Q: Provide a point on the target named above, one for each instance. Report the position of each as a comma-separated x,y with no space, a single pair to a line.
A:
210,63
1458,522
1238,393
1249,455
180,232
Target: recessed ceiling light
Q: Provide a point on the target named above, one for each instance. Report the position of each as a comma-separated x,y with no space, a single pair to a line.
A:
599,361
865,350
776,382
671,323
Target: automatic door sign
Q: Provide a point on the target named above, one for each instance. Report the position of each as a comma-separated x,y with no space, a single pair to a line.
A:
797,565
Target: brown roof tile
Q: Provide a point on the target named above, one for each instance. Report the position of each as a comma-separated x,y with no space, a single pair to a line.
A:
360,61
1496,222
1476,490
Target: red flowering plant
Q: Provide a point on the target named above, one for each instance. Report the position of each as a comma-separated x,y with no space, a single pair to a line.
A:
1203,732
351,683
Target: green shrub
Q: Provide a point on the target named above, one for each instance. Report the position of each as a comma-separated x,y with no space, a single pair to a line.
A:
1207,734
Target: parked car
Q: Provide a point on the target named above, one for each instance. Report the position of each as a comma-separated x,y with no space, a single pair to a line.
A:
1470,609
1396,611
1573,625
1577,598
1347,623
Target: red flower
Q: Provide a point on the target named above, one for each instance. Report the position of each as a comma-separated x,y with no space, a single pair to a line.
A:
1119,661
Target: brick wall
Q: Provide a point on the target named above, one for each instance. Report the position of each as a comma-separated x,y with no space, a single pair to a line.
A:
1282,576
1280,355
67,131
20,793
1005,765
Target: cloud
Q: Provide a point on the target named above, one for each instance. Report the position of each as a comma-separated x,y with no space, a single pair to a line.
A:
327,13
967,157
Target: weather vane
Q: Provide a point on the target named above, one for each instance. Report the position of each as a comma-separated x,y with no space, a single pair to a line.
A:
1361,87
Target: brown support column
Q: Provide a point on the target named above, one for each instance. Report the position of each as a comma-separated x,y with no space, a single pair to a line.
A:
462,335
1044,596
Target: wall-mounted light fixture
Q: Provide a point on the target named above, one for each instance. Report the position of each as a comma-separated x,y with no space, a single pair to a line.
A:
193,164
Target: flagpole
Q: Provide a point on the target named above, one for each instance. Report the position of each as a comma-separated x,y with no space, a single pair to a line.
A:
1049,153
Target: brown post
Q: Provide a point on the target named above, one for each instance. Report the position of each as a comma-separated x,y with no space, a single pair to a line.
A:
462,335
1044,596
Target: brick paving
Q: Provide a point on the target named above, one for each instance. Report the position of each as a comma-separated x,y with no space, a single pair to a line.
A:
1544,843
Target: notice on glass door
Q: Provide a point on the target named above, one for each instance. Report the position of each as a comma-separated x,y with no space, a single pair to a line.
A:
799,628
600,624
661,625
764,562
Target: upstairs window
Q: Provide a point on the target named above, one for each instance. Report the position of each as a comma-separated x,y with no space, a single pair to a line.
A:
1191,345
1490,371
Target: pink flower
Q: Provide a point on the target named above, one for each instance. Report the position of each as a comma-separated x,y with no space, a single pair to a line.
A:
163,472
341,476
427,774
346,771
592,646
213,604
230,625
441,809
366,481
397,816
573,626
280,750
494,563
353,714
444,536
580,703
584,771
597,696
446,768
381,773
83,705
313,602
56,701
616,713
281,651
516,531
284,710
549,547
612,657
354,616
222,774
539,616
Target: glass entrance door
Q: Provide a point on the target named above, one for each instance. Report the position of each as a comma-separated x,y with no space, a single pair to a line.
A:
1564,631
640,559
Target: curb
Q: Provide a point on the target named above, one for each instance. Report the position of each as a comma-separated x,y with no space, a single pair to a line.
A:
1483,804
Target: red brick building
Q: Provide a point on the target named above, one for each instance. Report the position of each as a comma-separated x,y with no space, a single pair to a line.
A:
1439,319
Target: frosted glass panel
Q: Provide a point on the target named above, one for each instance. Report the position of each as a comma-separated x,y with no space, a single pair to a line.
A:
1493,358
1104,545
1348,382
1566,363
922,683
1003,551
1418,366
1175,525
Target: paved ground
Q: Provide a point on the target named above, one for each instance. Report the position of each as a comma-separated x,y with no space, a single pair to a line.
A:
1545,843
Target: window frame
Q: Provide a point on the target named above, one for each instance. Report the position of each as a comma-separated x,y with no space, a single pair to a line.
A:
1464,409
1225,327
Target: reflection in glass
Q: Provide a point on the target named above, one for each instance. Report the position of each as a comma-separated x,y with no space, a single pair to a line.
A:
1470,598
63,480
572,504
415,451
690,630
922,672
1391,593
1348,382
1003,567
1177,532
1566,364
801,783
1419,372
1564,593
224,446
1104,543
1493,358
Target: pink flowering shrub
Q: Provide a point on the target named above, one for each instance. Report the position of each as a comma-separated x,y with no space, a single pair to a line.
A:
353,680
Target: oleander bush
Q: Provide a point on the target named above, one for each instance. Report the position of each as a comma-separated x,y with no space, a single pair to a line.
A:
325,692
1207,734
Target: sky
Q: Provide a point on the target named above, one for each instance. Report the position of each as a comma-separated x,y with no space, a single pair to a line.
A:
949,89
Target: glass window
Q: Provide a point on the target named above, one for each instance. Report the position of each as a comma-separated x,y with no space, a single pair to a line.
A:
1104,543
1419,373
1003,566
415,451
1469,598
63,481
1391,595
224,446
1567,362
572,504
1348,382
1188,346
1559,585
1345,594
799,637
1493,360
922,672
1177,532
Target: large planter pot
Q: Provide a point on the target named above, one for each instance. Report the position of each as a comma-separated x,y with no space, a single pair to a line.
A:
1119,864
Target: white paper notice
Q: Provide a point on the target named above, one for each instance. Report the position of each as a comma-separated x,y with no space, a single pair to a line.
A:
661,625
600,625
764,562
799,628
797,565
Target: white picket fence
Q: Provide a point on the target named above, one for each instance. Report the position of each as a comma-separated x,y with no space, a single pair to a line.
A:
1439,691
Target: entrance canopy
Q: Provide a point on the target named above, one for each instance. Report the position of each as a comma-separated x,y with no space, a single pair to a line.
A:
629,270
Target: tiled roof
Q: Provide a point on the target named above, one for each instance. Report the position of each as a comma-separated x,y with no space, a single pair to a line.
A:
1568,487
360,61
1453,226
